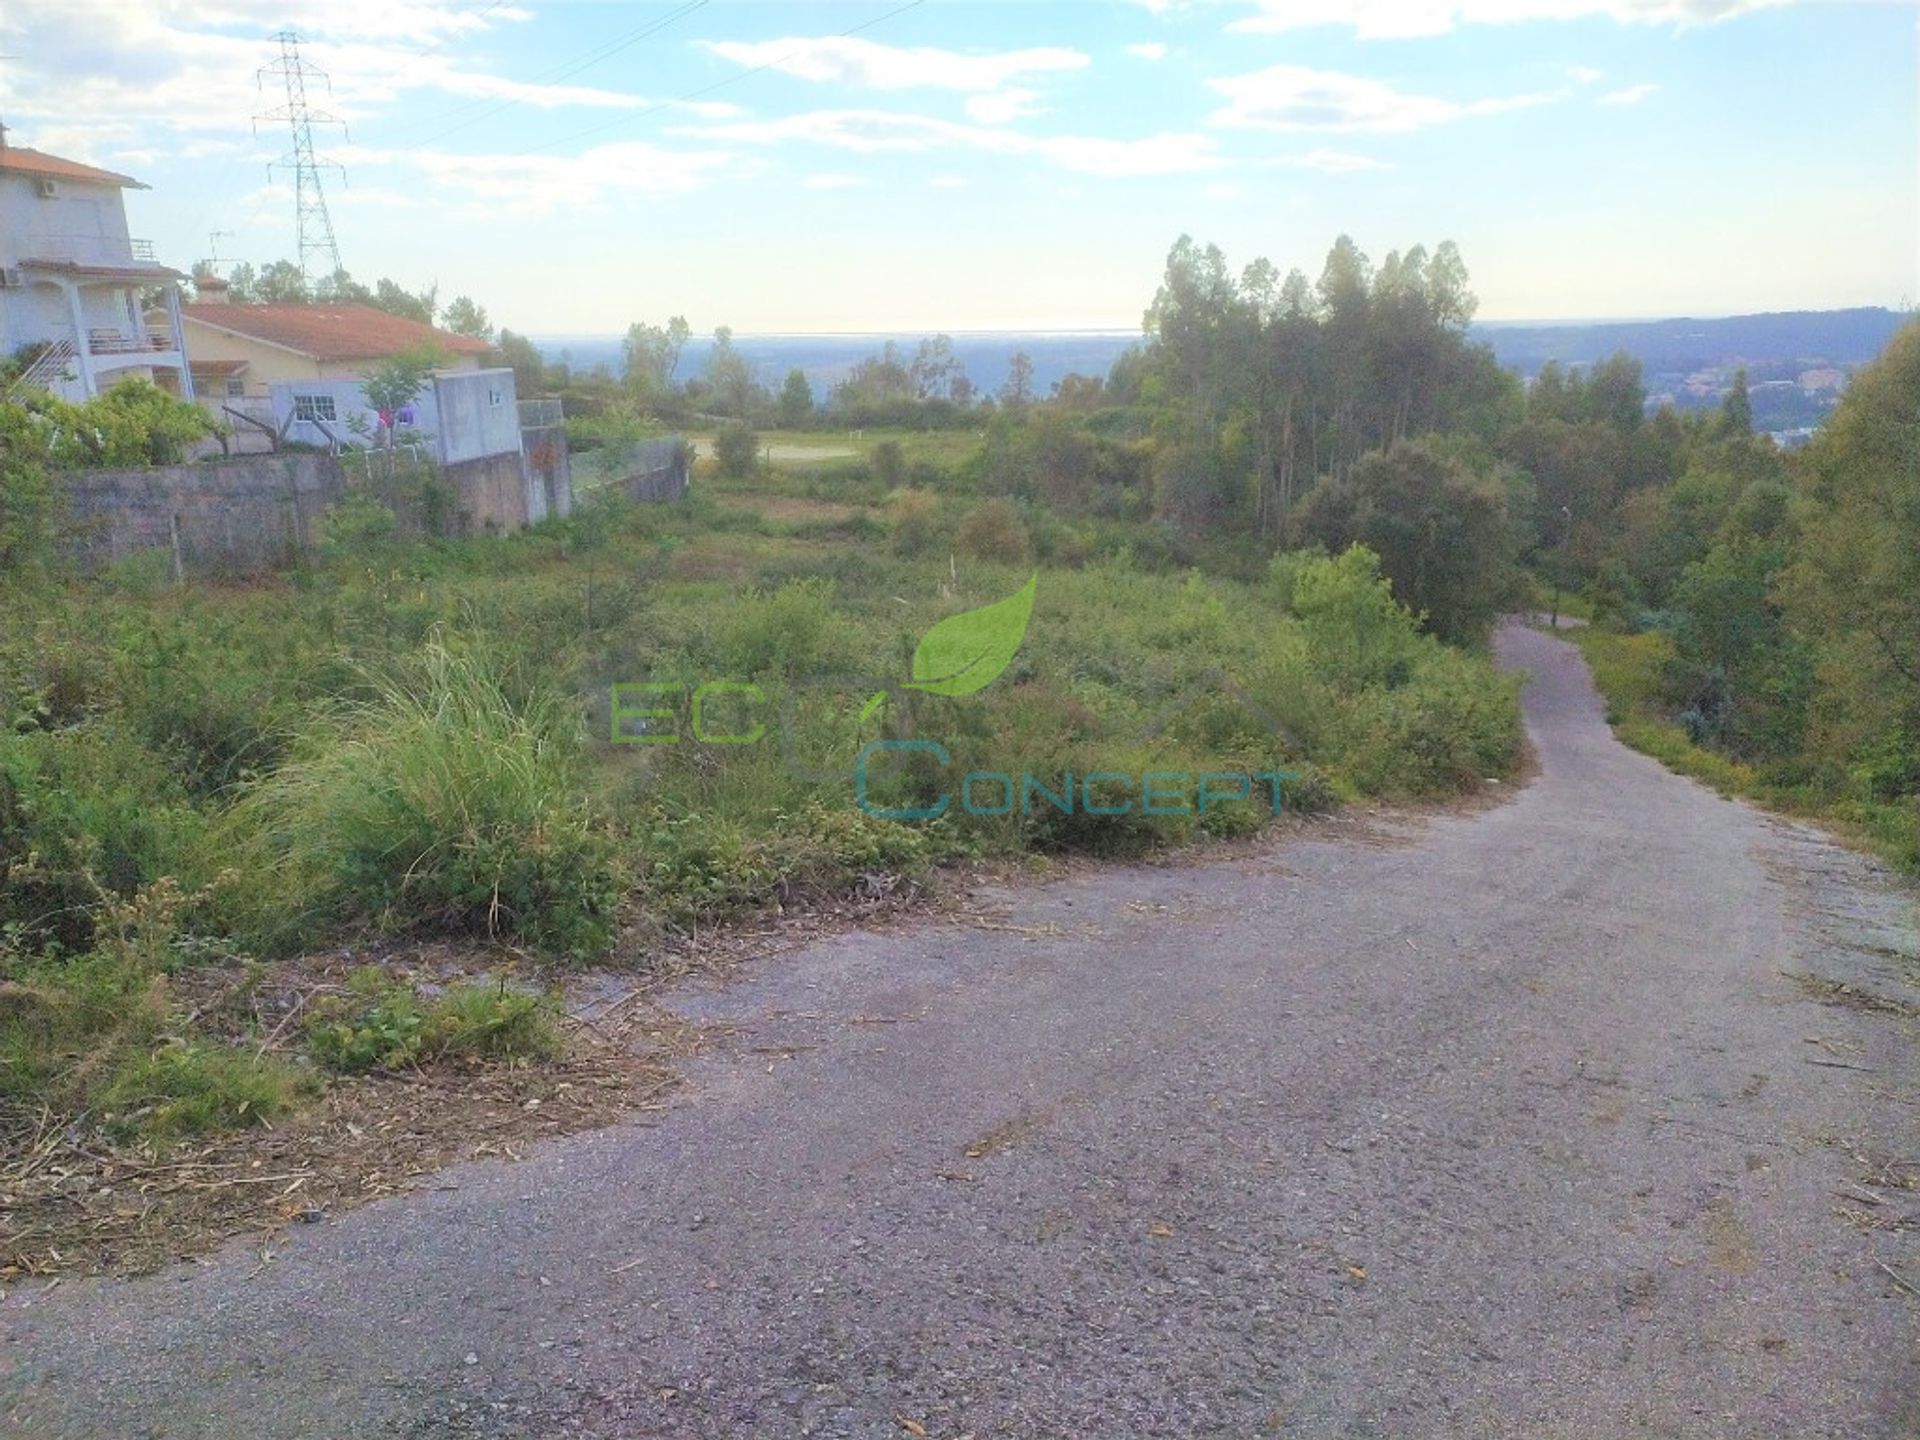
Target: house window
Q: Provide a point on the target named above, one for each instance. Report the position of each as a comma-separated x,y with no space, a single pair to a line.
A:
313,407
236,388
495,398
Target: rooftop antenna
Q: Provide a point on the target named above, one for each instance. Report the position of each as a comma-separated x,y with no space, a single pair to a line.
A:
317,247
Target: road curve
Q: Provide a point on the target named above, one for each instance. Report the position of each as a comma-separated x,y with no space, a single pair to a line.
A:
1510,1123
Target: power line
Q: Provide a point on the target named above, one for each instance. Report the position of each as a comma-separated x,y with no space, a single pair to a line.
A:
227,169
566,69
313,225
695,94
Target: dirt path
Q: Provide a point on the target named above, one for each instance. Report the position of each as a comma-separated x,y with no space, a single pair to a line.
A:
1505,1124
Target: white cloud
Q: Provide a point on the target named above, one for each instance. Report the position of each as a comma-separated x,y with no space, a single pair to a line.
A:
187,68
1632,95
850,60
1003,107
1585,75
539,184
1294,98
1166,154
1406,19
1335,162
870,132
948,182
833,182
1151,50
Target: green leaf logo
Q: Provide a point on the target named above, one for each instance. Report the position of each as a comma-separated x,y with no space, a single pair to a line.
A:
968,651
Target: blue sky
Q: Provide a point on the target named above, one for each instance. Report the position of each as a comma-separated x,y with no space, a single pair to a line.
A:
1012,166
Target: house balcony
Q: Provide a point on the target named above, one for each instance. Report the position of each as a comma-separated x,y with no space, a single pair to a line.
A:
111,350
101,343
90,252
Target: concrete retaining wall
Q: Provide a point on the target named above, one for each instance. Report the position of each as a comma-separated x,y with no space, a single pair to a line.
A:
258,512
246,514
645,470
549,470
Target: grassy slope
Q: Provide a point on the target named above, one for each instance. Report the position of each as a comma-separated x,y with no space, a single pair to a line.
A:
1628,670
412,739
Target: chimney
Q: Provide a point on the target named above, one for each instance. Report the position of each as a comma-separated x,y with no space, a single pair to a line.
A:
210,290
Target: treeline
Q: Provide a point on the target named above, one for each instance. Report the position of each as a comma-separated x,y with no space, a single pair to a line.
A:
926,388
282,282
1767,603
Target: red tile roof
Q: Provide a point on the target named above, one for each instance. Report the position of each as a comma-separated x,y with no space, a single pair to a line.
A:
21,160
332,332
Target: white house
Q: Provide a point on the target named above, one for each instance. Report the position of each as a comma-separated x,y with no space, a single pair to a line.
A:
71,280
459,415
467,422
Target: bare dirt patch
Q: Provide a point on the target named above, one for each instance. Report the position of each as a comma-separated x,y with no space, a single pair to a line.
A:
799,509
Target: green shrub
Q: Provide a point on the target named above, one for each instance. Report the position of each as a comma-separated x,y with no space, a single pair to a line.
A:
736,450
377,1025
485,1021
992,531
889,463
793,631
29,507
381,1024
913,517
86,814
134,423
1448,727
359,525
188,1088
704,868
1357,633
452,800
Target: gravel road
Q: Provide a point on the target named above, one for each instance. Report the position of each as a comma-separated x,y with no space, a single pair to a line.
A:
1507,1122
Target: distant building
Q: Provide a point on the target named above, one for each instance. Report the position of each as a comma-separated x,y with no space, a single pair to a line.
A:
243,351
72,281
1823,379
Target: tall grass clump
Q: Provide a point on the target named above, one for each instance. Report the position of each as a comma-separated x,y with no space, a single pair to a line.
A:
449,800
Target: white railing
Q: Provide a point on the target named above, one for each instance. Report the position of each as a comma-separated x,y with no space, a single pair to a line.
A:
119,342
53,363
88,249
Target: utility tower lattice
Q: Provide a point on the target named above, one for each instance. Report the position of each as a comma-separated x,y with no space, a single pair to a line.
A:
314,226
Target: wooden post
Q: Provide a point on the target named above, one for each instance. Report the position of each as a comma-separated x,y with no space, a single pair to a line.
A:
173,534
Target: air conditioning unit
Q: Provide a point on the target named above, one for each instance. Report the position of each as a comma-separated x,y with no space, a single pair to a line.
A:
10,278
46,187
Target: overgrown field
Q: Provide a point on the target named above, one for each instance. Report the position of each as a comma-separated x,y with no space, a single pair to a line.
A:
418,740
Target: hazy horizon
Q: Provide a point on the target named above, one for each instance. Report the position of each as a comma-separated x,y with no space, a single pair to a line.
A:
556,337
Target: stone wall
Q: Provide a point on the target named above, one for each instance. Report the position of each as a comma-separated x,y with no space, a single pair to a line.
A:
250,513
240,515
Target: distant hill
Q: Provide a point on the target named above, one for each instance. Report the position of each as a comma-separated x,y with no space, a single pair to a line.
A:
1770,345
1792,337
